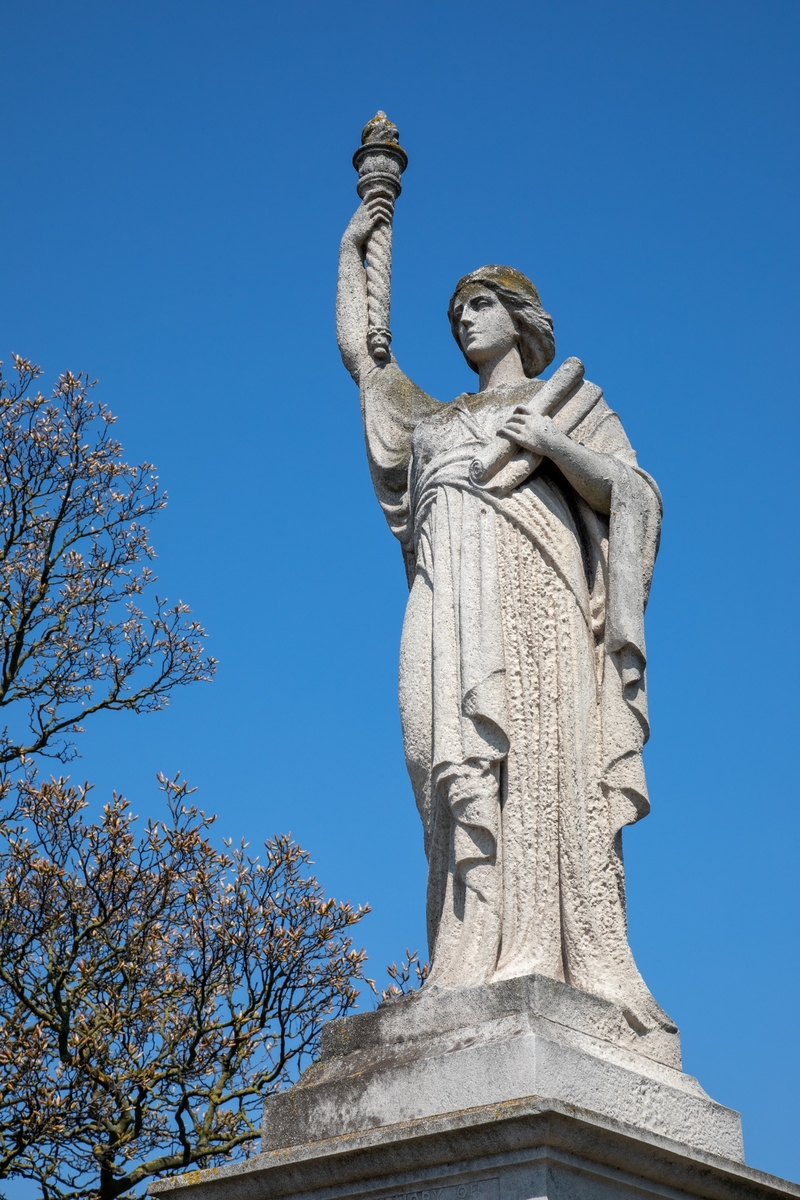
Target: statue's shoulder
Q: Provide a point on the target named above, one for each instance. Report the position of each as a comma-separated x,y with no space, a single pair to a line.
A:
392,406
602,430
601,425
389,388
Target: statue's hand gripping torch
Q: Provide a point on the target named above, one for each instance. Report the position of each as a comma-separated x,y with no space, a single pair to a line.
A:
380,161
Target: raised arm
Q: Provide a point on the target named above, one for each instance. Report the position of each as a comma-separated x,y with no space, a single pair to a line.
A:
351,295
391,404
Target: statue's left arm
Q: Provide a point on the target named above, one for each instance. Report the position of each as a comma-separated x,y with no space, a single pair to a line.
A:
600,464
591,473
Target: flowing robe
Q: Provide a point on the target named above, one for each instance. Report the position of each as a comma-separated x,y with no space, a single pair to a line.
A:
522,689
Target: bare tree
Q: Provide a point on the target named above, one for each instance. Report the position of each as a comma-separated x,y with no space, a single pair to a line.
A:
409,977
152,989
74,551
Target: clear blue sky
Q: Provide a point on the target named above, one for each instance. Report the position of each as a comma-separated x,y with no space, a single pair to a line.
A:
177,177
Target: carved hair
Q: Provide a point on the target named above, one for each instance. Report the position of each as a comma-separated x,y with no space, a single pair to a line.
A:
537,345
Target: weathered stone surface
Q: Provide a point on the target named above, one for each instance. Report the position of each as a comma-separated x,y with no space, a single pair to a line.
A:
529,534
433,1011
521,1150
444,1050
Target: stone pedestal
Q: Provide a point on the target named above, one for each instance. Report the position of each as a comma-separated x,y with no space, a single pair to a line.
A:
511,1091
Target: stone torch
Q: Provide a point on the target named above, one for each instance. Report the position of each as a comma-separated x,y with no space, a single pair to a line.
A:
380,161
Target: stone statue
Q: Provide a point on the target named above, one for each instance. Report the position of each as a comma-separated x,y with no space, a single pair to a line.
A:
534,1061
529,534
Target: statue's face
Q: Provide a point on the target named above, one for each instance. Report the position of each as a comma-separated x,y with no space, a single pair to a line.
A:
485,328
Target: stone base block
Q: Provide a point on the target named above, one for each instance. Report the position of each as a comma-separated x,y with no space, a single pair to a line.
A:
441,1051
521,1090
520,1150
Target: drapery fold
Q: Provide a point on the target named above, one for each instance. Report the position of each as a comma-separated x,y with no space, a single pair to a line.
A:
523,696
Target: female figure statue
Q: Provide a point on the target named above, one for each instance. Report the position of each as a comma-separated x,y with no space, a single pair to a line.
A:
522,664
